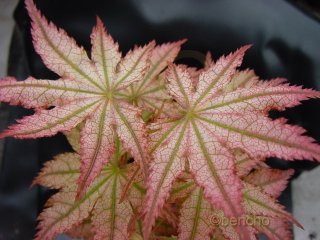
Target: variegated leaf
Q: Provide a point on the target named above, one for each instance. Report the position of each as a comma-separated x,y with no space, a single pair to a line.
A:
209,126
258,203
195,217
86,92
150,93
100,204
187,140
276,229
271,181
228,226
62,172
110,218
63,211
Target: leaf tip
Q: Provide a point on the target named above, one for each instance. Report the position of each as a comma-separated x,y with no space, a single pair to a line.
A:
182,41
100,27
242,50
6,133
151,44
299,225
35,181
99,21
29,4
246,47
31,8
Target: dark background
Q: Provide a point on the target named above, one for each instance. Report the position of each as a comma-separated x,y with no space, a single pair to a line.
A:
285,37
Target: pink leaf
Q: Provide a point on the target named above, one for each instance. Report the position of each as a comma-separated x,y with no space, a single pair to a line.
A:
277,229
258,203
134,65
242,79
218,76
260,98
228,226
60,172
167,166
48,122
100,203
150,93
97,145
179,84
208,61
33,93
88,91
63,212
133,133
111,218
105,53
213,119
160,57
195,217
214,169
261,136
60,52
183,140
271,181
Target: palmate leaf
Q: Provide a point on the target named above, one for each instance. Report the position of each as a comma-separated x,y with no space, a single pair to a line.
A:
89,90
199,220
194,222
277,229
109,218
149,93
271,181
259,203
60,172
62,211
215,119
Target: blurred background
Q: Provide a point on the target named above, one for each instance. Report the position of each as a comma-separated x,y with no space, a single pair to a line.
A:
285,37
